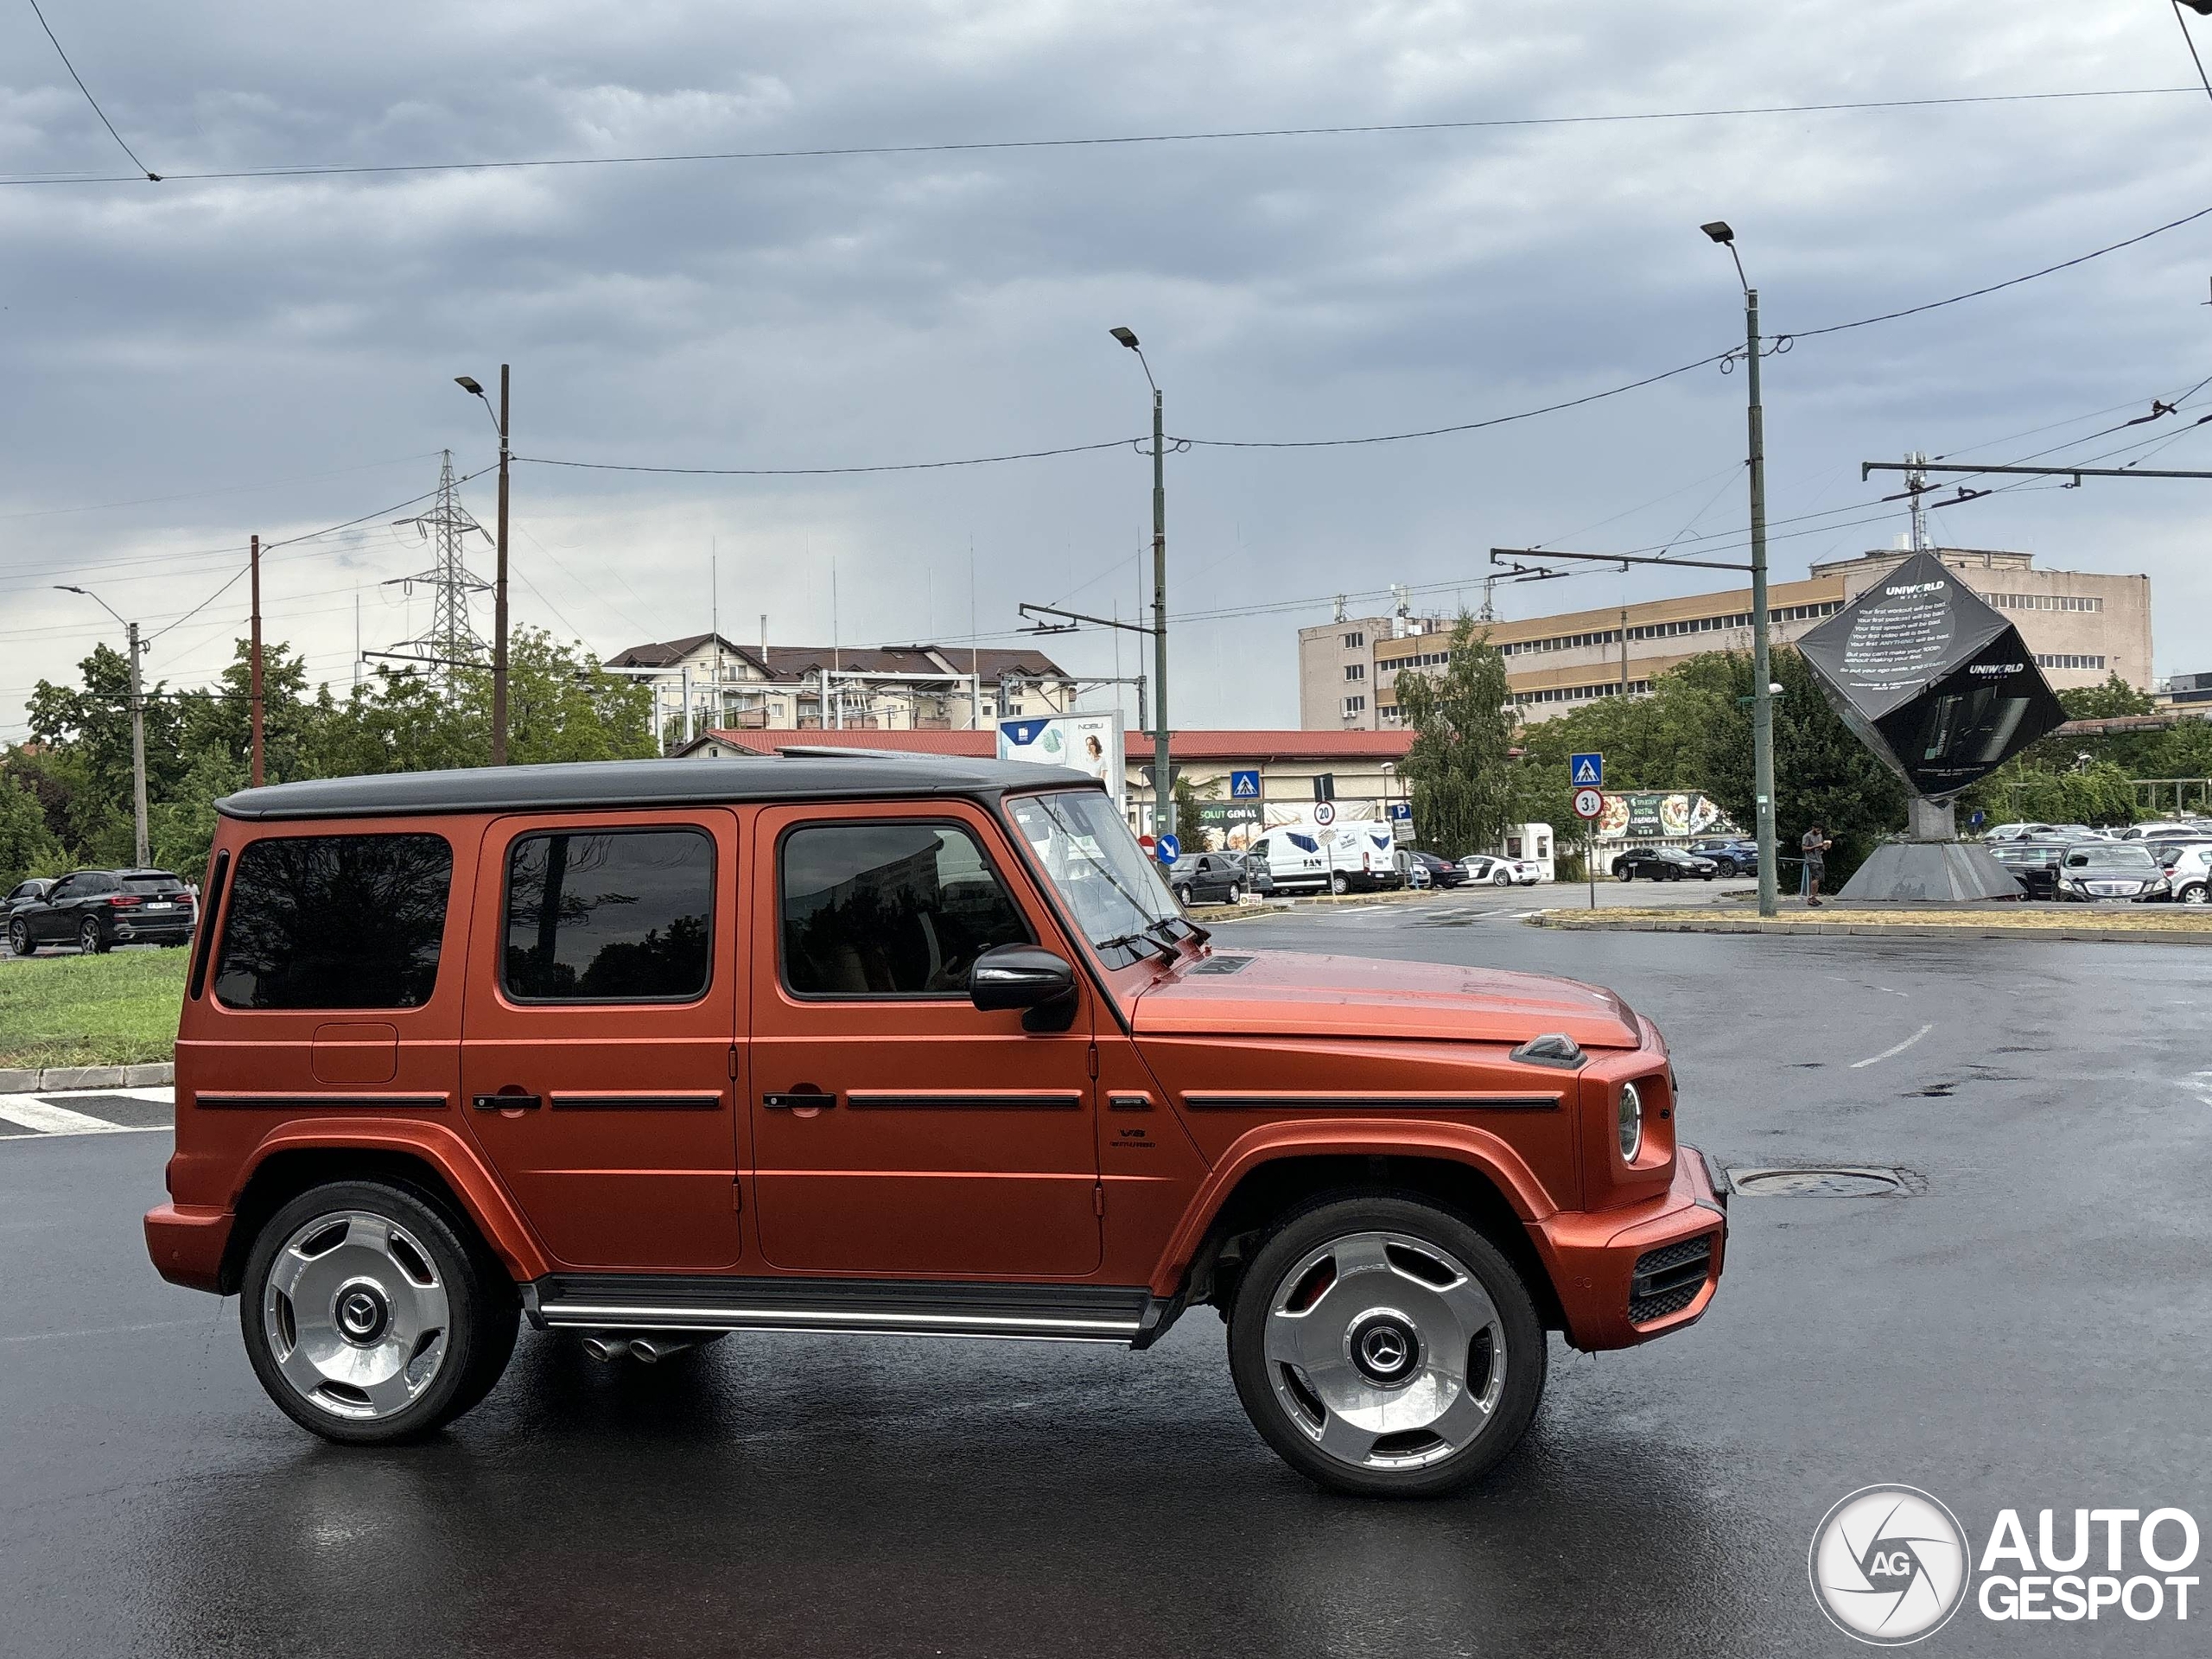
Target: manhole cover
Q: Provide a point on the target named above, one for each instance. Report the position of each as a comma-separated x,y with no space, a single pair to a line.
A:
1842,1181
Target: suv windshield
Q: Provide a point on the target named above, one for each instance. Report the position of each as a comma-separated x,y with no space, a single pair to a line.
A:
1112,890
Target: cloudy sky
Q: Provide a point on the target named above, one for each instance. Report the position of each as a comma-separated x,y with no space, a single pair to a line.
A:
184,363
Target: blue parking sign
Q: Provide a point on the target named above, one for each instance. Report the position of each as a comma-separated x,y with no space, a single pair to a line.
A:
1244,785
1586,770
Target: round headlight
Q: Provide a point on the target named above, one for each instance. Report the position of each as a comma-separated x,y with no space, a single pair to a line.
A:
1631,1122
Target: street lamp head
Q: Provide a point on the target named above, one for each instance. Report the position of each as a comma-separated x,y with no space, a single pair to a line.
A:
467,384
1130,340
2201,7
60,588
1719,230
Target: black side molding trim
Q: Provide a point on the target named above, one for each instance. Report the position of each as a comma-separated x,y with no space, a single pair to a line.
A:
322,1102
1372,1102
961,1101
634,1102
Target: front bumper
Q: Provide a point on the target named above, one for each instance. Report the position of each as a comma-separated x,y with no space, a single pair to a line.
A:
1625,1276
186,1242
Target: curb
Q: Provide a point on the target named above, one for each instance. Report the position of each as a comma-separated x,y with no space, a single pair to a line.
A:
56,1078
2071,936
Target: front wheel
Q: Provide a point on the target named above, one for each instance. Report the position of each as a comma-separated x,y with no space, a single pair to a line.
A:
367,1317
19,937
1384,1348
89,939
1622,873
1235,893
1338,886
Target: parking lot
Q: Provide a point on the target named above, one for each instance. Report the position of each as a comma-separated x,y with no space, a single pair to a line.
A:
2023,1324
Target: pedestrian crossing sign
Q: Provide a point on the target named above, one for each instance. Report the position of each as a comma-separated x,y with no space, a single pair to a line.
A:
1586,770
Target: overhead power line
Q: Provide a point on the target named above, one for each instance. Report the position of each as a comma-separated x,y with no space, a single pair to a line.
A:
817,472
834,152
144,172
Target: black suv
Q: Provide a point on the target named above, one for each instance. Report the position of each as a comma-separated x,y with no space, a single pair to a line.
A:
95,910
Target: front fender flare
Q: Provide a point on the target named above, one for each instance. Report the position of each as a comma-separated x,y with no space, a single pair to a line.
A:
1479,1150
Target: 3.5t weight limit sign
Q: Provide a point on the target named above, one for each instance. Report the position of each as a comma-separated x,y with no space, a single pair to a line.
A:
1589,803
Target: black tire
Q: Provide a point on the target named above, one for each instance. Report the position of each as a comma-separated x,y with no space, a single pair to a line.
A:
1344,1216
2192,892
92,938
1235,893
1727,867
1624,872
19,937
1338,884
1183,897
481,1307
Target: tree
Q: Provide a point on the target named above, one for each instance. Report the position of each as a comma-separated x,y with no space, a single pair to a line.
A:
27,846
1458,771
2114,700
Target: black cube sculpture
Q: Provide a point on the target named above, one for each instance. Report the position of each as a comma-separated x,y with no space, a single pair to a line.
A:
1943,689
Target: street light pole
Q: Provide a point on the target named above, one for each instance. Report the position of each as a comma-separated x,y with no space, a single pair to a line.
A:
1762,682
469,385
1163,793
140,849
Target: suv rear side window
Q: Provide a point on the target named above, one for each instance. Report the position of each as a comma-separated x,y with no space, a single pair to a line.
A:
151,881
335,922
876,909
610,916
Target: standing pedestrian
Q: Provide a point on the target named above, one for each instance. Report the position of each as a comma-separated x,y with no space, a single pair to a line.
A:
1815,845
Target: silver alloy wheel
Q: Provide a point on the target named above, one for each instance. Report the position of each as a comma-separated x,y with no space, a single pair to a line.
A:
2194,893
1501,877
1385,1351
88,936
19,937
356,1315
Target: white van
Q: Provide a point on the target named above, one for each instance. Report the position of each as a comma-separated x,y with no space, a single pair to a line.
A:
1342,856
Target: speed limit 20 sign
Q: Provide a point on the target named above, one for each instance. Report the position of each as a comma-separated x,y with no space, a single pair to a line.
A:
1589,803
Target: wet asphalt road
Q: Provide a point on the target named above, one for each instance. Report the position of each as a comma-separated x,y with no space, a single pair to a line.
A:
2031,1331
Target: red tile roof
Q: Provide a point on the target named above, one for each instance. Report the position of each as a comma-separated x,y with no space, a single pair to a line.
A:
1232,745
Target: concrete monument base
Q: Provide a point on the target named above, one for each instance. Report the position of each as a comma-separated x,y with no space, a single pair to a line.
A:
1935,866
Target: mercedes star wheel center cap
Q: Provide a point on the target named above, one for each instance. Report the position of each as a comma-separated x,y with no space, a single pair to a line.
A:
1384,1348
362,1313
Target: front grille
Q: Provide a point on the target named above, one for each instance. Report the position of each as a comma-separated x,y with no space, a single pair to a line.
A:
1668,1280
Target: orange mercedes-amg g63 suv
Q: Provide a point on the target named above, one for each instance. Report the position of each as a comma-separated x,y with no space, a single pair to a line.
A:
653,1051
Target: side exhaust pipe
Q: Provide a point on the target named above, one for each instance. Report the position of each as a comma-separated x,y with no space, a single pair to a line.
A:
610,1346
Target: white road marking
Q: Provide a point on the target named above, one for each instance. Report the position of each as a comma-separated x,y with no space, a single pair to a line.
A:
27,1111
1884,989
107,1331
2200,1085
1891,1054
156,1095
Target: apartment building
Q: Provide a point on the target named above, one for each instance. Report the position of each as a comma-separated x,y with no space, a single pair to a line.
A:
2081,625
706,681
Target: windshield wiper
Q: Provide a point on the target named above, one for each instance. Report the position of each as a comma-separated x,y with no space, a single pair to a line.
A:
1145,940
1157,930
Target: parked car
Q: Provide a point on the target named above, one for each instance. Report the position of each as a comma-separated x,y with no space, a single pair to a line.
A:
1412,873
1442,872
96,910
1663,864
2033,864
1730,855
2187,865
2093,870
2175,830
25,892
1258,878
450,1057
2018,831
1489,868
1207,878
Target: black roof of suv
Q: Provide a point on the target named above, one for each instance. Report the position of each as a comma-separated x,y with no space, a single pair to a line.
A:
794,774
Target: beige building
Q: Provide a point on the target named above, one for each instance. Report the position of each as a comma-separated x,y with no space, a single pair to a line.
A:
2082,626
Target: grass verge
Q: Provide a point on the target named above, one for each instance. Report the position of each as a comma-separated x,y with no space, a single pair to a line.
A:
119,1009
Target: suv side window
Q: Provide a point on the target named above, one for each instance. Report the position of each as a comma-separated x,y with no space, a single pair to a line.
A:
609,916
874,908
335,922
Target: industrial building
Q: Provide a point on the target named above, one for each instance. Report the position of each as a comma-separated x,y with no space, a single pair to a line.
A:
2082,625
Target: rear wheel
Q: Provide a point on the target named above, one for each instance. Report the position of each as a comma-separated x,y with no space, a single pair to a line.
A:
1235,893
92,938
369,1318
1501,877
1384,1348
2193,894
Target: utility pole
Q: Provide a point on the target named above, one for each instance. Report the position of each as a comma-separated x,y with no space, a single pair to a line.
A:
253,667
1163,793
499,597
1762,684
142,850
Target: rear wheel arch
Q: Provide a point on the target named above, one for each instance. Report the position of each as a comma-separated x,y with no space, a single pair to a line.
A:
283,1175
1272,1194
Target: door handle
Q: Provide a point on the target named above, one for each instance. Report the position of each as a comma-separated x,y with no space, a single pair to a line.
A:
808,1099
506,1102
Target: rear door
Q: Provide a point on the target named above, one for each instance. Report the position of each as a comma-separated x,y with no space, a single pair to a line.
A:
599,1053
898,1129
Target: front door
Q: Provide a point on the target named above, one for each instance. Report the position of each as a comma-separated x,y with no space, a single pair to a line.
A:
898,1129
600,1045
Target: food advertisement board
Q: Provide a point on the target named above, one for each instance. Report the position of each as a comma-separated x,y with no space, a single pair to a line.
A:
1635,816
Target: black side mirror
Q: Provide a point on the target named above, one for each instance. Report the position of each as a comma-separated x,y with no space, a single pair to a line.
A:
1026,976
